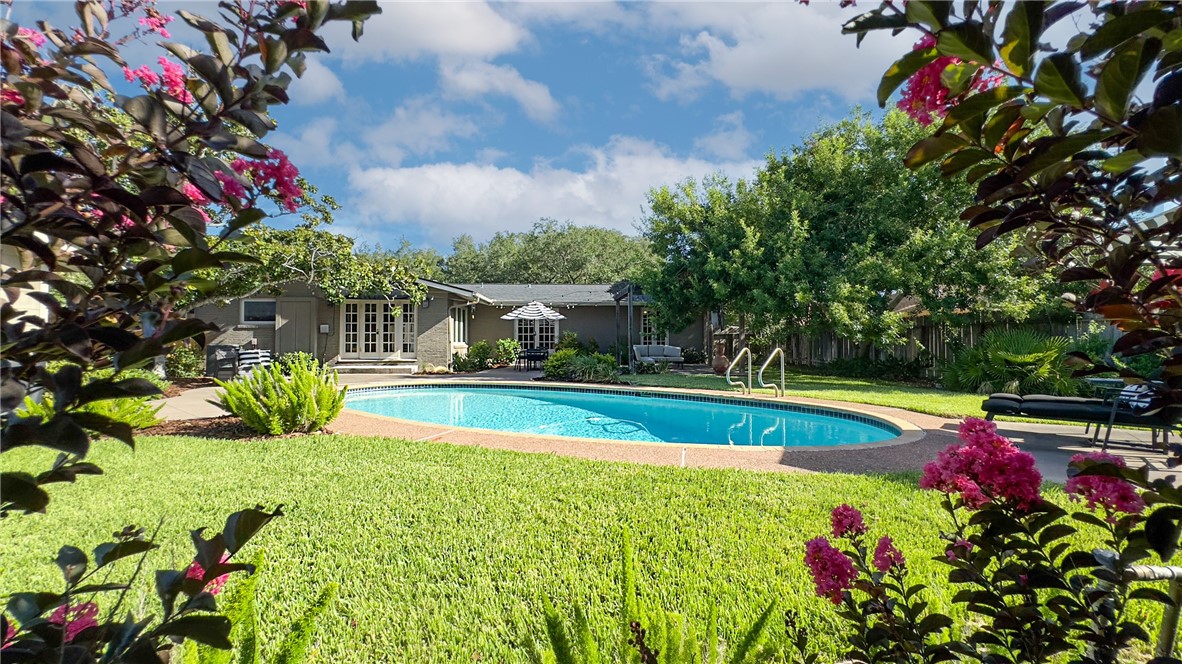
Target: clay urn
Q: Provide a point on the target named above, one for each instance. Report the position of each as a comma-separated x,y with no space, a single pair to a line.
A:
720,362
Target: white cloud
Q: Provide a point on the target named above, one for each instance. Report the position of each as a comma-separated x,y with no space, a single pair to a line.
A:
730,140
315,145
406,30
317,85
781,49
596,17
447,199
419,126
468,80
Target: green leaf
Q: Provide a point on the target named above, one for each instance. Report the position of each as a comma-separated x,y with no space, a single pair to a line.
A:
962,159
1123,161
1120,29
981,103
275,54
932,14
241,526
210,630
958,77
1161,135
105,554
1161,532
1058,79
875,19
902,70
220,45
966,41
20,490
932,148
1120,76
1023,28
72,562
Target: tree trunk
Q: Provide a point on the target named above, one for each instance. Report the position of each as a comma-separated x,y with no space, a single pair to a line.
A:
742,331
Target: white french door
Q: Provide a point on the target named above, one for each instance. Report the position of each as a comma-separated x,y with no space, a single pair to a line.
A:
377,330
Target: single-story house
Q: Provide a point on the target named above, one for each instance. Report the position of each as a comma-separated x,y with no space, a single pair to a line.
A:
393,332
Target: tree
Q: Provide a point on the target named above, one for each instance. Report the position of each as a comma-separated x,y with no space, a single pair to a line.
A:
828,237
549,253
422,261
1066,154
104,214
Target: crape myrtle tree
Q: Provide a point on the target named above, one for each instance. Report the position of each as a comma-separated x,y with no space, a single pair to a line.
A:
1073,145
106,201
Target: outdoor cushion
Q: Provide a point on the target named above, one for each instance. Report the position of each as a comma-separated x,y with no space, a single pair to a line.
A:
670,351
1005,395
1067,411
1001,406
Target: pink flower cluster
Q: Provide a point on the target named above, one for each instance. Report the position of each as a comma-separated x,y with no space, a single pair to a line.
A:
75,618
199,199
11,96
275,172
197,572
156,22
230,184
924,95
965,547
833,571
1114,494
847,521
984,467
34,36
171,80
886,556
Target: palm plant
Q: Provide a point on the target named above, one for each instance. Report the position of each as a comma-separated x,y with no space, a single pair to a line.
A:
1016,360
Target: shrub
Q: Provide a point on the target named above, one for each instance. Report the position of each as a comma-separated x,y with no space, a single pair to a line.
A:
693,355
184,361
136,412
658,367
288,361
569,341
1014,360
507,351
597,368
1038,591
885,368
480,354
559,366
273,403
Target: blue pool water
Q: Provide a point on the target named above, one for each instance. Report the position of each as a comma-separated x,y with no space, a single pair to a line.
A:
625,416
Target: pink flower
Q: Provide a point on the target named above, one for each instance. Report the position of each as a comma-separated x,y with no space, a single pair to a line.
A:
964,545
145,76
75,618
34,36
847,521
276,173
174,80
833,571
194,194
886,555
156,22
230,184
1114,494
984,467
924,95
9,634
197,572
11,96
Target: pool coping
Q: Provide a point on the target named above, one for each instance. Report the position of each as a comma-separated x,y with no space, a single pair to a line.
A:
908,431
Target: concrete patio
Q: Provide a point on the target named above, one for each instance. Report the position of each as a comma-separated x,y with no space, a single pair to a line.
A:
1051,444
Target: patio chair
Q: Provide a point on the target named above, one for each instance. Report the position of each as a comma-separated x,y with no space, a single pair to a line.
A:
533,357
1120,407
221,358
248,360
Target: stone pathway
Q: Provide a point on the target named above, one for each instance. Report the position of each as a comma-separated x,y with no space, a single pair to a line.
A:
1052,445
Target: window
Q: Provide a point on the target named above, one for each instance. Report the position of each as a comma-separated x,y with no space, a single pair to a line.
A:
649,335
351,335
537,333
459,325
408,329
258,312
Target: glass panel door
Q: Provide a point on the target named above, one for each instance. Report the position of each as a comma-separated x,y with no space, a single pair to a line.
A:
408,330
349,331
369,329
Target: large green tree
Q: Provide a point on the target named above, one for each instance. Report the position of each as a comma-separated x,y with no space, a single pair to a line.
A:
551,252
835,235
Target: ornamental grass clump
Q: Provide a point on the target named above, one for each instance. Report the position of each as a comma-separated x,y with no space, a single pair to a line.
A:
270,402
1015,558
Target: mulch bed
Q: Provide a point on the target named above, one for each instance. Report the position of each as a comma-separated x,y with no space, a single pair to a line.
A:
225,427
184,384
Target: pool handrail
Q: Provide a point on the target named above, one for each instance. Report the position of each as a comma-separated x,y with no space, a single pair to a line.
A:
734,362
777,390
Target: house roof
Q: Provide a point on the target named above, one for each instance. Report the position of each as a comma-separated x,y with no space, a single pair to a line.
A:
548,294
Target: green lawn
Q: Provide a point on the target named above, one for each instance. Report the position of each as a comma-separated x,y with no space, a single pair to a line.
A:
442,552
932,401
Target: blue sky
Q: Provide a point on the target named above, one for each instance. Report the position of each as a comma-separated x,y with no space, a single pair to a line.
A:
469,117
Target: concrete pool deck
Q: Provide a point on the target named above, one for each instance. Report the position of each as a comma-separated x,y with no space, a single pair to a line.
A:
923,435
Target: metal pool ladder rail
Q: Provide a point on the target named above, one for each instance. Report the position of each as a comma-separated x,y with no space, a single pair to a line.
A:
739,383
778,390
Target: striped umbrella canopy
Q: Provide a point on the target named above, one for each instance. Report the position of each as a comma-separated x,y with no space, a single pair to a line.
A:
533,311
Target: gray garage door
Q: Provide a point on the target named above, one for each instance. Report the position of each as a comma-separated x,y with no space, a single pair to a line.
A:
294,320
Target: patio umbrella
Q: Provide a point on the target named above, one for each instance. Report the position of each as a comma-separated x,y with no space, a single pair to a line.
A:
533,311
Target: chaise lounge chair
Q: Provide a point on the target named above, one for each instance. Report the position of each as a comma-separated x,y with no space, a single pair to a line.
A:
1126,407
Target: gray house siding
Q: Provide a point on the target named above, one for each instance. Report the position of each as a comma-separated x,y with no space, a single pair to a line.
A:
590,322
433,345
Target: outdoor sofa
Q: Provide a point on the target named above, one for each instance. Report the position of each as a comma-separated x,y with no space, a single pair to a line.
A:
654,354
1125,408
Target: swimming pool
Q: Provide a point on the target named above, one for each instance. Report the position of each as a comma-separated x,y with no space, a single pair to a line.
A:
624,415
